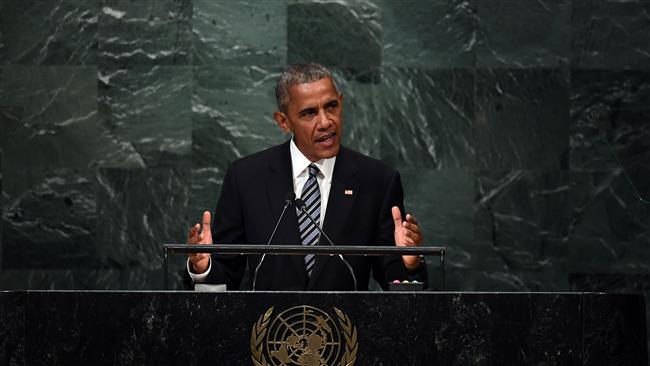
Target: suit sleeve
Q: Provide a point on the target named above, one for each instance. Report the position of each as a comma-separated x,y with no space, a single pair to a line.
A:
388,268
228,228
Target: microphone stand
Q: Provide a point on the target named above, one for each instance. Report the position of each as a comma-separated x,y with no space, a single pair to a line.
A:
287,203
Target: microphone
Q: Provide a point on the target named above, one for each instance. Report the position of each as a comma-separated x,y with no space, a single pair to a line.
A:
287,202
300,204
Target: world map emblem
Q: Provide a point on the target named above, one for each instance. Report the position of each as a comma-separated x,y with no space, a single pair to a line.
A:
304,336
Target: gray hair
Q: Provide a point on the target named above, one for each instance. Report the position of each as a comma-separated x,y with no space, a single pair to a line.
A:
298,74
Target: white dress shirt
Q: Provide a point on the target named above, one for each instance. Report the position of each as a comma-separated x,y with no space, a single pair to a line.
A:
299,164
300,174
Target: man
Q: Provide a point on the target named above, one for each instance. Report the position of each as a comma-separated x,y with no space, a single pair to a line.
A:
356,200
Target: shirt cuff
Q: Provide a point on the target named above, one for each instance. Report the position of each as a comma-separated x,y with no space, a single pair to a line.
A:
199,277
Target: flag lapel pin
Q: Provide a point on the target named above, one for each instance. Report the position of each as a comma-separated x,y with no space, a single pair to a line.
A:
348,192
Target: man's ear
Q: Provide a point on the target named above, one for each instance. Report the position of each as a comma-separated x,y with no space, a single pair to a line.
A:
282,122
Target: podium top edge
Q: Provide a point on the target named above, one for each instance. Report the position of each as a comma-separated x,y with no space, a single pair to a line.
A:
301,250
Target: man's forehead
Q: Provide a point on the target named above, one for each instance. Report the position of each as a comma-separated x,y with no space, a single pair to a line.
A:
313,89
312,94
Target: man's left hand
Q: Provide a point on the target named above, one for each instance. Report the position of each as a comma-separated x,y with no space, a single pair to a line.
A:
407,234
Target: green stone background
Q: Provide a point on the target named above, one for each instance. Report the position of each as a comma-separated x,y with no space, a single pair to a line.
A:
521,128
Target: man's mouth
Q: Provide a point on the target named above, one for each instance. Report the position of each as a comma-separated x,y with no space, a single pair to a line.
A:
327,137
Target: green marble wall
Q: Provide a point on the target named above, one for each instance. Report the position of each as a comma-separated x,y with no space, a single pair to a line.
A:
521,128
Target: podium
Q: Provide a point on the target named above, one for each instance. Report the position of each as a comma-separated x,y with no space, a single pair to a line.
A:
354,328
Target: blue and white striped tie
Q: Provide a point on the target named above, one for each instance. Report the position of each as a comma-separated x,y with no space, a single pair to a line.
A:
309,233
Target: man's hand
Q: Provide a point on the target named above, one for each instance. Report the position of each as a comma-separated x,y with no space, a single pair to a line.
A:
200,234
407,234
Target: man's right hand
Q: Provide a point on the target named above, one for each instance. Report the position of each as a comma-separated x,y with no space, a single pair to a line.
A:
200,234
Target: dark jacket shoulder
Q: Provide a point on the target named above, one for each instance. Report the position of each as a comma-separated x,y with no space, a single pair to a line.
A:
369,167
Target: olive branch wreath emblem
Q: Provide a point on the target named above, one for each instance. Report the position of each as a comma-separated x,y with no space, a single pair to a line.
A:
261,326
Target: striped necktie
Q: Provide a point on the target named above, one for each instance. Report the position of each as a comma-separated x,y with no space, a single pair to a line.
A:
309,233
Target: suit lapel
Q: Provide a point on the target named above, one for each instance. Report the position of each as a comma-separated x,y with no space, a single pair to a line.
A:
339,205
279,183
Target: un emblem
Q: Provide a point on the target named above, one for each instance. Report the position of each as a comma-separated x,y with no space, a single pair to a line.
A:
304,336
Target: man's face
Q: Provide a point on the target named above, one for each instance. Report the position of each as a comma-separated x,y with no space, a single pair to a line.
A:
314,117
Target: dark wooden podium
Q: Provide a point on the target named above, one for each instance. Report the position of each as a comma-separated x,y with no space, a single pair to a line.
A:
372,328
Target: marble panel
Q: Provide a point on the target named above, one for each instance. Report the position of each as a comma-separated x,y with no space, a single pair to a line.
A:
50,222
610,34
2,200
613,283
12,332
608,226
239,32
439,33
139,278
427,118
638,181
624,283
520,221
465,329
382,328
140,210
604,343
610,119
148,110
232,114
345,34
205,192
151,329
148,32
95,279
6,113
59,127
361,129
506,280
522,119
442,202
610,124
523,34
3,36
37,32
52,279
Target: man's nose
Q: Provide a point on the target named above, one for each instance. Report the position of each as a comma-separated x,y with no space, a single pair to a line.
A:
323,121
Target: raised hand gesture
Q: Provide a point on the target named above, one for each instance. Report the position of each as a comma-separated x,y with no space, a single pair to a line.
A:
407,234
200,234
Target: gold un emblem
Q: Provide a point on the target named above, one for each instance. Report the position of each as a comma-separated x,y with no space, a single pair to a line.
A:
304,336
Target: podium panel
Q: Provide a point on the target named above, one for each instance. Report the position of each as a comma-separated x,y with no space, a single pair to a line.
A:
296,328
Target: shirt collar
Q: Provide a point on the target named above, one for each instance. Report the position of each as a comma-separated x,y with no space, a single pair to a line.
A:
299,163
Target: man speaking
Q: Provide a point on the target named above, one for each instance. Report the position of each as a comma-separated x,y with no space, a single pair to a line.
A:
354,199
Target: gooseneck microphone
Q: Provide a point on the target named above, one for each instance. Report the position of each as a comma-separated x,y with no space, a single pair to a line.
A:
300,204
287,202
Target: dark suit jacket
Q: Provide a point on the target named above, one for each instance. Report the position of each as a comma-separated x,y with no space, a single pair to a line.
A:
252,197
